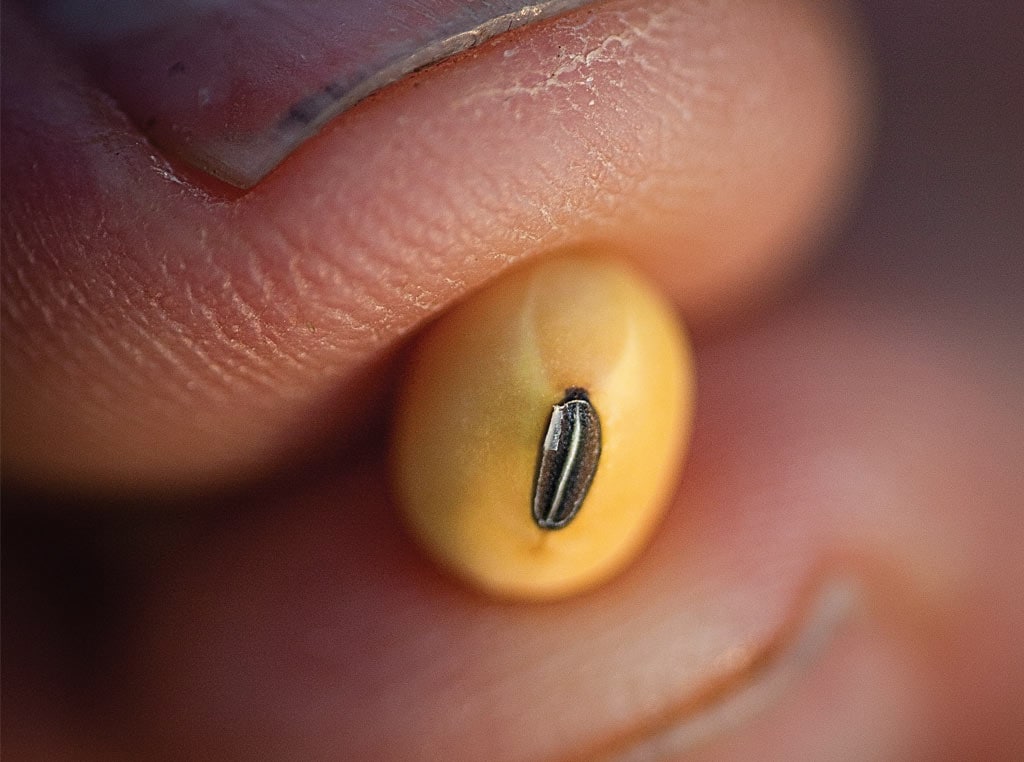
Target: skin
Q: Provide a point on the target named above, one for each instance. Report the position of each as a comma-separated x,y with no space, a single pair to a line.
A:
861,424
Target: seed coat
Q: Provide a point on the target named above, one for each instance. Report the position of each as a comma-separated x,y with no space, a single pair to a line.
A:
567,461
468,463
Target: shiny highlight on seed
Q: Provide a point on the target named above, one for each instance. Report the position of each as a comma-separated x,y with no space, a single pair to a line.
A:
567,461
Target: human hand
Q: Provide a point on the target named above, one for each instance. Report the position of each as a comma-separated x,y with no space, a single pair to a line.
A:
858,434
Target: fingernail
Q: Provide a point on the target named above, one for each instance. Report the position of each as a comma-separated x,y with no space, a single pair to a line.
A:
831,608
233,87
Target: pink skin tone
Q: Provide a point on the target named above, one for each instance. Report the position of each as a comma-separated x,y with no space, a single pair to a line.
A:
264,313
862,425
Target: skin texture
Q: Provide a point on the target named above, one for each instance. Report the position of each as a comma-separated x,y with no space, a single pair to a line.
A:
863,424
473,409
255,324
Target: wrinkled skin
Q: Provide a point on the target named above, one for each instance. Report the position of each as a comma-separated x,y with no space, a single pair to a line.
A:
200,556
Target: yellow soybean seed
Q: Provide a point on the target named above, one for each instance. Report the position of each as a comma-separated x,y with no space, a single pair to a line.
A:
541,425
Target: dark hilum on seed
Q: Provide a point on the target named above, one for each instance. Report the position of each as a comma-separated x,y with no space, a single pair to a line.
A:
567,461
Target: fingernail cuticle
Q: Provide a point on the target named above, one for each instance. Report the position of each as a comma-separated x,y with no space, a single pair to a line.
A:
235,87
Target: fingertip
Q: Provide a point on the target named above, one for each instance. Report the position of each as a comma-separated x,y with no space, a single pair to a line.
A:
707,143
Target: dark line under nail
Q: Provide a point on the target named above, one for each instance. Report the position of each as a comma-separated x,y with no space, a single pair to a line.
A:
455,37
